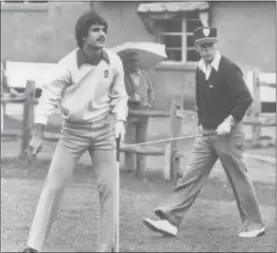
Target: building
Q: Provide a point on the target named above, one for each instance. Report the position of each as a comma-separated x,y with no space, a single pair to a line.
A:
44,31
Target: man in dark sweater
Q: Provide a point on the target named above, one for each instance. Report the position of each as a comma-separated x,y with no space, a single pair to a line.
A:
222,100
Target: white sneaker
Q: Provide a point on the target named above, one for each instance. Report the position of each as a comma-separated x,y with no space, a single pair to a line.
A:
161,226
253,233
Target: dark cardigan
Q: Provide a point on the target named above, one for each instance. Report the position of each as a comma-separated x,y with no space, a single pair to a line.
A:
224,93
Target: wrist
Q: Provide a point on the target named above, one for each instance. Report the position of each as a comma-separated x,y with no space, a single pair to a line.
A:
231,120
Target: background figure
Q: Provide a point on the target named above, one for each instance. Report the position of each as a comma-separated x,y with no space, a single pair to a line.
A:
5,88
141,94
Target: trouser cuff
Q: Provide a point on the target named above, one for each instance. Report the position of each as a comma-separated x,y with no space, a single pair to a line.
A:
166,216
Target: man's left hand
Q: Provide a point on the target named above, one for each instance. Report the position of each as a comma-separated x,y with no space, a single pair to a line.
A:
225,127
148,105
119,130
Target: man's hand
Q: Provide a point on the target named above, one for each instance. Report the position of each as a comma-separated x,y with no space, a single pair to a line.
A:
119,130
225,127
35,146
151,97
136,97
200,129
148,105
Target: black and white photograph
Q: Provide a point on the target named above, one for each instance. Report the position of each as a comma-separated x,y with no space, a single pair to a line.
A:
138,126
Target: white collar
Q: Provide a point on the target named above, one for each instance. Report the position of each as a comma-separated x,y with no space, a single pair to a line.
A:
214,63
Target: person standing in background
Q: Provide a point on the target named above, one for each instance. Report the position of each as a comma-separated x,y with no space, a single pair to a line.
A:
6,91
141,94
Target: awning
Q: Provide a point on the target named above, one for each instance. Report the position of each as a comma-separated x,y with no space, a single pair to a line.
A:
169,7
149,12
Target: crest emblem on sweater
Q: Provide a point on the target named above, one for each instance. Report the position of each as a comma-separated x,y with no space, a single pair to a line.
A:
206,31
106,73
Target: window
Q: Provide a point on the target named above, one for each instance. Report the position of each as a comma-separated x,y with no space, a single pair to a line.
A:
171,35
177,34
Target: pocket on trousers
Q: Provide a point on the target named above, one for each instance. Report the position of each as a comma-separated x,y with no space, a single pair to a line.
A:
237,140
240,146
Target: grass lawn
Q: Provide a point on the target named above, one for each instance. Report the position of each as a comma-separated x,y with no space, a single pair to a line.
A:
211,225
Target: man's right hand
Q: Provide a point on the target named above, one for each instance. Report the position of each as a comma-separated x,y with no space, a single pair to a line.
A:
35,146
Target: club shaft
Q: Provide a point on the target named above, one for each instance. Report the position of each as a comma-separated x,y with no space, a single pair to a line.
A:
117,193
169,139
117,207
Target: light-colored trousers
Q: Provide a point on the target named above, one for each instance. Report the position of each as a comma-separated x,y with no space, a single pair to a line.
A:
75,139
206,151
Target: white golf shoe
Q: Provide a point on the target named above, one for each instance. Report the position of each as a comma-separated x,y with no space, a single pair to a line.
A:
253,233
161,226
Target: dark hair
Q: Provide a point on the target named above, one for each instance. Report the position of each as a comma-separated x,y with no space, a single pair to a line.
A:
83,24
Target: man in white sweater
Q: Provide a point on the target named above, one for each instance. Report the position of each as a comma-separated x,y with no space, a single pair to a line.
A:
88,86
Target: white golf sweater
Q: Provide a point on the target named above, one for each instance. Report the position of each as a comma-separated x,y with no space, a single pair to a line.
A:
85,93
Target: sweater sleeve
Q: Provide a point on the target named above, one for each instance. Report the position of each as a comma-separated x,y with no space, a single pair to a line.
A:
51,93
238,91
118,94
150,88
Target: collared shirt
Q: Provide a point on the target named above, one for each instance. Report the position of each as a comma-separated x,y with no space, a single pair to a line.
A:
85,92
82,58
207,69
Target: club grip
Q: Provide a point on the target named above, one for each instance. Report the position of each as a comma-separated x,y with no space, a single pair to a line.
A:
209,134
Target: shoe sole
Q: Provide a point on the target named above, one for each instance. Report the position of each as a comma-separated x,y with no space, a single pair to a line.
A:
155,229
258,235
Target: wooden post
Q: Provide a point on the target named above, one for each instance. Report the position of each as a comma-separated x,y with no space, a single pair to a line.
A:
141,136
175,128
177,163
28,114
130,162
256,129
167,162
2,117
140,166
3,84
